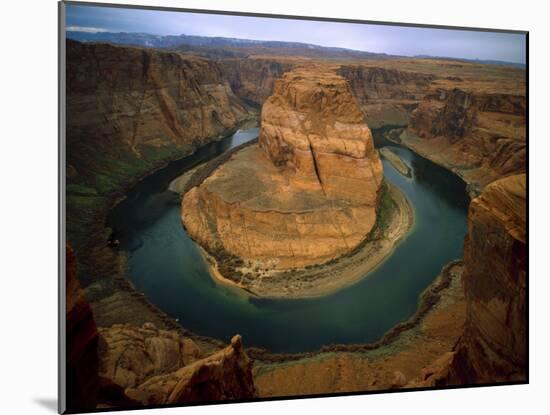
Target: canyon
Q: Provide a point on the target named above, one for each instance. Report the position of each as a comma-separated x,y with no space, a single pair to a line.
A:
129,112
467,117
309,190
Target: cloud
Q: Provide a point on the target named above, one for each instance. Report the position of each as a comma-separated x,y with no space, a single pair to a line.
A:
85,29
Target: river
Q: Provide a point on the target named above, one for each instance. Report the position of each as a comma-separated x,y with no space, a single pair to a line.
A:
166,265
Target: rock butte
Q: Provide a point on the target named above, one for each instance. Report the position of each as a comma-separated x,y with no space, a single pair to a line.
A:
307,193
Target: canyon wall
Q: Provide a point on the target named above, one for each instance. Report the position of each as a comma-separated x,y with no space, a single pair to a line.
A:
493,346
125,103
129,111
480,135
307,194
253,79
386,95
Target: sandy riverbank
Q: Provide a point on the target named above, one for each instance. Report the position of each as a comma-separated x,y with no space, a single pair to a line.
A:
179,183
327,278
396,161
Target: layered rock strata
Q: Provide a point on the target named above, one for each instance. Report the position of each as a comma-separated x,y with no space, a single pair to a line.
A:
469,118
386,95
253,79
125,102
153,366
481,136
307,194
493,346
225,375
130,355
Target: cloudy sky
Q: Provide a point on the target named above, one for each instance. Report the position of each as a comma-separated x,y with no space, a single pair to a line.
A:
394,40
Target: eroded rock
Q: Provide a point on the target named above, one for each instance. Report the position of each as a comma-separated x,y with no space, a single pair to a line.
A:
493,347
225,375
494,344
130,354
386,95
480,135
307,194
312,127
129,102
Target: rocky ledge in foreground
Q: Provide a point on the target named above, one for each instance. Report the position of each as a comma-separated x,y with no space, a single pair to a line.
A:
306,194
127,366
159,367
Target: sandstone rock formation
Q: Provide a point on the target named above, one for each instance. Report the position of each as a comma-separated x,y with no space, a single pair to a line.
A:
147,366
386,95
126,102
482,136
225,375
469,118
307,194
494,344
313,128
82,339
253,79
130,355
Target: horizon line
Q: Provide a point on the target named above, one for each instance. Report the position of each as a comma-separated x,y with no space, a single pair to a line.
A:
95,30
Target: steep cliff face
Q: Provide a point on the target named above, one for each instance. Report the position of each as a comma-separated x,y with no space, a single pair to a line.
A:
307,194
494,344
82,343
495,254
480,135
253,79
129,111
386,95
125,103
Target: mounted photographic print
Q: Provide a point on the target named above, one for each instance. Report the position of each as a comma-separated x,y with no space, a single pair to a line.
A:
271,207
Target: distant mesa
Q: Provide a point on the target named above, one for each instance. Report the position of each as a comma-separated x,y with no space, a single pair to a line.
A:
306,193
